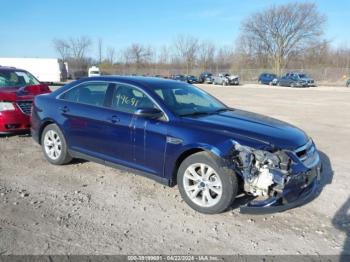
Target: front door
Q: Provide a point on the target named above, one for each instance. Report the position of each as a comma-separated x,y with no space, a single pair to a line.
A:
148,136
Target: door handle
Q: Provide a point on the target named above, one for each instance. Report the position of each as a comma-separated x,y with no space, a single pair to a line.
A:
114,119
64,109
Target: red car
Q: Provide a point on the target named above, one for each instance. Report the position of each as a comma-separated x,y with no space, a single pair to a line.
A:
17,91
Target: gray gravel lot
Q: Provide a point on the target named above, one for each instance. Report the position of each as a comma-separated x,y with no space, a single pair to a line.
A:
86,208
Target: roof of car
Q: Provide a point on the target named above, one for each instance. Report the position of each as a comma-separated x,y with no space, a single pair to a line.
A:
9,68
151,82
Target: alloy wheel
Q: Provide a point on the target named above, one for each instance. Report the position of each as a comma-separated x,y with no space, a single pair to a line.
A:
202,185
53,145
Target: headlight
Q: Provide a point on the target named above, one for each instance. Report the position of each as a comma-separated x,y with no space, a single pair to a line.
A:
265,157
6,106
247,155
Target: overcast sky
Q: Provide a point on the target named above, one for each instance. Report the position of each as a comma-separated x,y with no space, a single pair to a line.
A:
28,27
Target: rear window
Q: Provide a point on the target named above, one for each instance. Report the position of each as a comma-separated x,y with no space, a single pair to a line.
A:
16,78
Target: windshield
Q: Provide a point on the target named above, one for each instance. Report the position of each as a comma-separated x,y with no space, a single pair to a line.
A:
185,100
303,76
17,78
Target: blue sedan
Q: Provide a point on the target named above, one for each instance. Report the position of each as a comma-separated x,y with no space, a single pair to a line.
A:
176,133
268,79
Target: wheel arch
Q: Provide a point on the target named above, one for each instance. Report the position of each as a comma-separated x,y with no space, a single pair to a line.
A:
185,154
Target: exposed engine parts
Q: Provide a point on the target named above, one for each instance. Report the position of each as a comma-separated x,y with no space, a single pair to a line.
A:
263,172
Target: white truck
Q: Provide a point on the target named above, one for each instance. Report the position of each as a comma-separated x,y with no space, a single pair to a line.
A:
50,70
94,71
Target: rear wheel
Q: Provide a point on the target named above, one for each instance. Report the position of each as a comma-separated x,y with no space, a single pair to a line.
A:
54,145
292,85
206,185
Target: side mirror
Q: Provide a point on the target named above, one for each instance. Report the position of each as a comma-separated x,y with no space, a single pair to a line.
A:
151,113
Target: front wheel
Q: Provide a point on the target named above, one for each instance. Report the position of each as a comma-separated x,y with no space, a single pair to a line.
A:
54,145
205,184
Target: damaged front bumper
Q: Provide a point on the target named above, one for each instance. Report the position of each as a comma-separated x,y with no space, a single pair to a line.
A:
302,189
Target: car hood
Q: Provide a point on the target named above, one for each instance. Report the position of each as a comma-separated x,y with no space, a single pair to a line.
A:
276,133
233,77
13,94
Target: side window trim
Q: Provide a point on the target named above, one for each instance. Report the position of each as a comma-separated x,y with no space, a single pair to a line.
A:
87,83
109,83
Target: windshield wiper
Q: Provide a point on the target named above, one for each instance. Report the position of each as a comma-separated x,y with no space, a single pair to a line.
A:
197,113
206,112
222,110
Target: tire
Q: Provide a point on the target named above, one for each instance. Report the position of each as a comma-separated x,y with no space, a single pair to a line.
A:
224,83
221,184
52,137
292,85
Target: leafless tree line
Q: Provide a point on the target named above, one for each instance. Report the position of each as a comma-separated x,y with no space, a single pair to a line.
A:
280,37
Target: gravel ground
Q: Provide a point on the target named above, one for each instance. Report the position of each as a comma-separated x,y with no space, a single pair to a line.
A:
86,208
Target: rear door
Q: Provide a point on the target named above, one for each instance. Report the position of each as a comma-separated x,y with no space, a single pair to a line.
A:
91,127
284,81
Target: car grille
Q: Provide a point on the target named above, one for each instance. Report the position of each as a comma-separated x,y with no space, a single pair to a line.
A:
308,154
25,106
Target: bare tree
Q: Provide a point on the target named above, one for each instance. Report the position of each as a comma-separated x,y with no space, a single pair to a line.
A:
164,55
187,48
223,58
110,56
138,55
99,49
283,30
79,46
206,55
62,47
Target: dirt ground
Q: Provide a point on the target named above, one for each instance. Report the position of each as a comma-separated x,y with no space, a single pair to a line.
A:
87,208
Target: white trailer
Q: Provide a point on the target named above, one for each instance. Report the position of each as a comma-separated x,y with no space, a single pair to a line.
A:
50,70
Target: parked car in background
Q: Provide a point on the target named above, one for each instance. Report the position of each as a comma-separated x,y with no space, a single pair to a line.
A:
180,78
225,79
348,83
17,90
295,79
191,79
178,134
205,78
268,79
50,70
94,71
